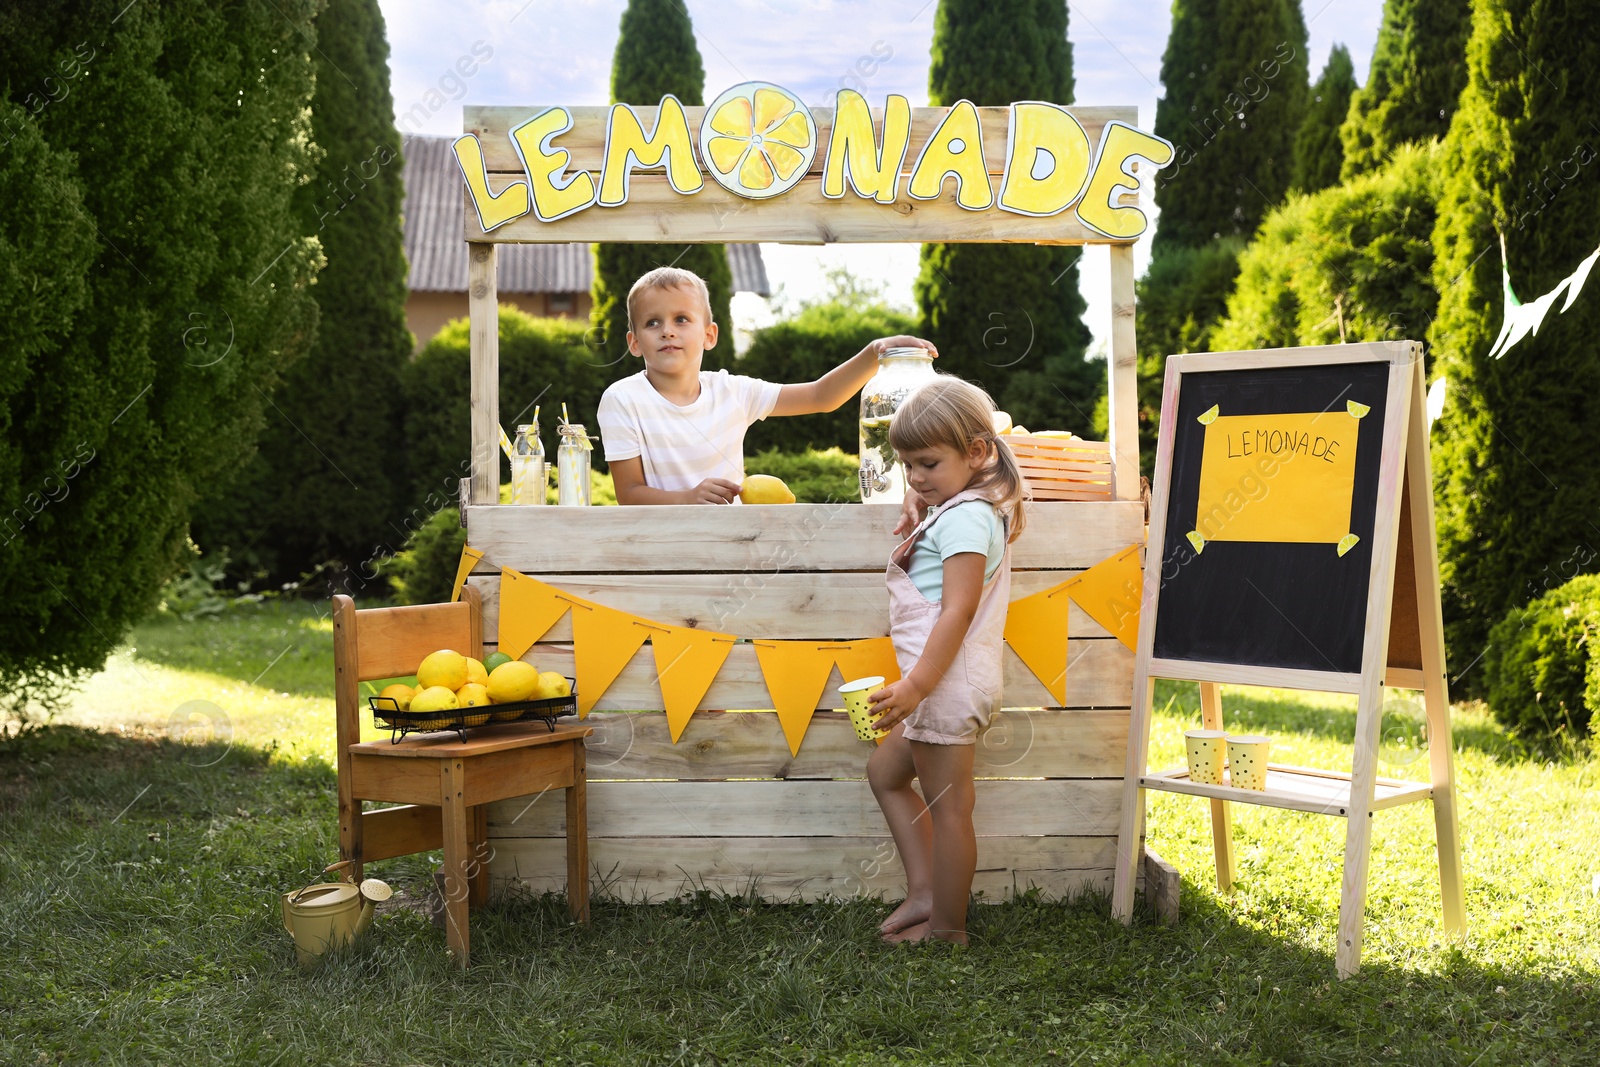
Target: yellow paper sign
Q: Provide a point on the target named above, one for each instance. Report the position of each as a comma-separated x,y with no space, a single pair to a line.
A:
1286,477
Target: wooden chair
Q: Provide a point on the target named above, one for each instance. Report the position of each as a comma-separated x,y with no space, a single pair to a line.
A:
443,784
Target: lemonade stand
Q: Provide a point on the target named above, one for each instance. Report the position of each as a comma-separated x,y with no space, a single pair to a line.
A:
665,613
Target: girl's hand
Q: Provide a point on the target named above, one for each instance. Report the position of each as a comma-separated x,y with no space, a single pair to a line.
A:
912,510
894,702
903,340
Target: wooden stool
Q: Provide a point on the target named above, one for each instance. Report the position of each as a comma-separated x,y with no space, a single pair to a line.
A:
443,782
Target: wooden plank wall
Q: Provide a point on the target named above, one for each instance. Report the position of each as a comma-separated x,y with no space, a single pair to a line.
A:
655,212
728,808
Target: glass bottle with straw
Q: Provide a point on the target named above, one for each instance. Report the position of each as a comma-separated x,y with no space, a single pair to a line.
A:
572,462
528,477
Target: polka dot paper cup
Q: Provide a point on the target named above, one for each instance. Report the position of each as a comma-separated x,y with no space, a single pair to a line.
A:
1205,755
1247,761
855,696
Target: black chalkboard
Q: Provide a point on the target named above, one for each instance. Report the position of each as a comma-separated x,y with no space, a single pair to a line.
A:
1269,603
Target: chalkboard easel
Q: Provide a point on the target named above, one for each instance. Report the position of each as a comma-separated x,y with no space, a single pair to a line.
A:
1292,545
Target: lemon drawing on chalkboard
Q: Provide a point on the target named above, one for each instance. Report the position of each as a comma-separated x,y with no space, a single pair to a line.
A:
1348,541
1355,409
759,139
1197,541
1208,416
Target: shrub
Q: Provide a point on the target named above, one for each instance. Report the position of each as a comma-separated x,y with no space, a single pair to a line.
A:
803,348
542,361
1542,668
815,477
424,571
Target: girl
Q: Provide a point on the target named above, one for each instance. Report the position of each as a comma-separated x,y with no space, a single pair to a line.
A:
949,586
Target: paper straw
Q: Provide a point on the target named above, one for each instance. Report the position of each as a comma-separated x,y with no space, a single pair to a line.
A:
505,442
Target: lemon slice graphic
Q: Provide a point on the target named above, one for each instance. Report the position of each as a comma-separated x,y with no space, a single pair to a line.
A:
1196,540
1355,409
1347,542
1208,416
759,140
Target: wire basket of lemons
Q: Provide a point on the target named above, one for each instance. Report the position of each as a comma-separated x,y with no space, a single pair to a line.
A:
454,692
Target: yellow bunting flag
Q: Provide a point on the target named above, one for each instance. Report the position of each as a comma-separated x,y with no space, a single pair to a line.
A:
603,641
795,672
528,608
865,658
1036,630
687,661
1109,593
469,559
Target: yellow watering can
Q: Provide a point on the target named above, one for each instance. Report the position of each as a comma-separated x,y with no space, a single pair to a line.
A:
329,914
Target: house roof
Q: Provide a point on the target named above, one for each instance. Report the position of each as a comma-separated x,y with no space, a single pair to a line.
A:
438,255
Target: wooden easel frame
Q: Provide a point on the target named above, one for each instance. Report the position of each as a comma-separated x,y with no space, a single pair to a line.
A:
1405,491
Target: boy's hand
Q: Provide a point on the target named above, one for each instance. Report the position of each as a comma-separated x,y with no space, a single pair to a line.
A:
894,702
903,340
912,510
713,491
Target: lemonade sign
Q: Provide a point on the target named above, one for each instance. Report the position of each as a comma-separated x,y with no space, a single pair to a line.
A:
758,140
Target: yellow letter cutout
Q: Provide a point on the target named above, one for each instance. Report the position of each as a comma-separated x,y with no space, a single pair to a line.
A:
1047,160
493,209
1119,145
956,147
854,155
545,164
627,147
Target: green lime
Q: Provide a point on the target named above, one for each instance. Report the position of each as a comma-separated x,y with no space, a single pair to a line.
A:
493,660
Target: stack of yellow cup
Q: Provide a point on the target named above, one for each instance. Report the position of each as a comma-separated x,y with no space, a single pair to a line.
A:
855,696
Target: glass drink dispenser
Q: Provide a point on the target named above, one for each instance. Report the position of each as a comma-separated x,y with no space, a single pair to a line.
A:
900,370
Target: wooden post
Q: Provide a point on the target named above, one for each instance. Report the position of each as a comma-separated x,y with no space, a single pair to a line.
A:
346,728
1435,691
1122,373
1221,819
484,311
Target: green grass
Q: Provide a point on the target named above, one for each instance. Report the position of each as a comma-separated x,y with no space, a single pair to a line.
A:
141,862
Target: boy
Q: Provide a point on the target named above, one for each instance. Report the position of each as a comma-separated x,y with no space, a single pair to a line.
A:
674,434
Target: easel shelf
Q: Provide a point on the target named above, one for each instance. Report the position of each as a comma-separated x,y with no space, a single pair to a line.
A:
1296,788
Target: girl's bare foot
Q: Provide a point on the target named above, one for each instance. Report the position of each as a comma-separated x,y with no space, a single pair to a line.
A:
911,911
917,932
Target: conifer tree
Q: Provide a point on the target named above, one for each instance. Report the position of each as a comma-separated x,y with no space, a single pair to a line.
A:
153,284
1008,317
656,55
1418,71
1318,152
1235,81
329,474
1515,477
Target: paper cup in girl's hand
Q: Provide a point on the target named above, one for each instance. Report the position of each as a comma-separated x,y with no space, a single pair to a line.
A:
855,696
1205,755
1247,761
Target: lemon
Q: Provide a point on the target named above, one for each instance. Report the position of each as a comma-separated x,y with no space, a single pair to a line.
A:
493,660
1001,421
1065,435
434,698
513,681
400,694
760,139
472,695
477,672
552,684
765,489
443,668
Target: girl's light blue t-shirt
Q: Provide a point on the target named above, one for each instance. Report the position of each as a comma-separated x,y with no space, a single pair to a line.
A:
971,526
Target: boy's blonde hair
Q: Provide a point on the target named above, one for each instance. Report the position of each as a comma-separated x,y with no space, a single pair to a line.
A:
954,414
671,278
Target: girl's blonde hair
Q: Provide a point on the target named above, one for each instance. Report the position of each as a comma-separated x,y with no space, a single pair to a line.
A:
954,414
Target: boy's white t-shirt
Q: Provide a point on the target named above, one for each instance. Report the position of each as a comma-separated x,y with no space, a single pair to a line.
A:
683,446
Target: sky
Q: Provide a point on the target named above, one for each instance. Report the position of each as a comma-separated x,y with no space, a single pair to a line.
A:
547,52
